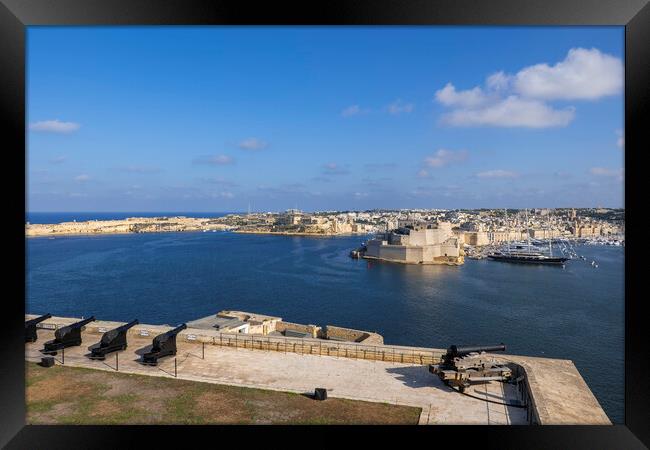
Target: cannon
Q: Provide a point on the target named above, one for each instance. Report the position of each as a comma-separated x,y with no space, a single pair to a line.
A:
111,341
64,337
163,345
463,366
30,327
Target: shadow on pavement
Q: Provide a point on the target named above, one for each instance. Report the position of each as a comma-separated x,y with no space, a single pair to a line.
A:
416,377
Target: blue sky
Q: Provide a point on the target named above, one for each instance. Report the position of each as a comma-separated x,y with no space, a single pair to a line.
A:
217,118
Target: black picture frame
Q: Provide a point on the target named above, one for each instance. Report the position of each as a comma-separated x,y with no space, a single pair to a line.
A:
15,15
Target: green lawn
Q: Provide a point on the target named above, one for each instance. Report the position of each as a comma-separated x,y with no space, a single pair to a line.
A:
70,395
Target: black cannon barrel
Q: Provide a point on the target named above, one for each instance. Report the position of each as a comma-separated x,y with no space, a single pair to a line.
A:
126,326
38,319
163,345
30,327
81,323
178,329
172,332
73,326
111,341
64,337
110,335
456,350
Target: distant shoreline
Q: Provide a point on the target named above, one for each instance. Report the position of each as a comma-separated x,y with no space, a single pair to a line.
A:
105,233
291,233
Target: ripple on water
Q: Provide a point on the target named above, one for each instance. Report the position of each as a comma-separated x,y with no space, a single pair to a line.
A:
574,313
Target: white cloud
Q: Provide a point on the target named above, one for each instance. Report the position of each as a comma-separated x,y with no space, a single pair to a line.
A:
399,107
334,169
604,172
215,160
449,96
583,74
352,110
423,174
253,144
512,111
82,178
360,195
620,142
520,100
58,160
54,126
444,157
498,81
497,173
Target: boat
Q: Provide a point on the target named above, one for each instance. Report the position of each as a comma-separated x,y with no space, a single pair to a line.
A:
526,252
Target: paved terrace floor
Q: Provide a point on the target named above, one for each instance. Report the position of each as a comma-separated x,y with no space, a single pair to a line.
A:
375,381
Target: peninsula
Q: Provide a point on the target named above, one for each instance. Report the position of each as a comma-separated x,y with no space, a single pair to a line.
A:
129,225
291,222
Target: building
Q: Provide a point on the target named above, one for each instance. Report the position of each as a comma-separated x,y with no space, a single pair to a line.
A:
544,233
497,237
417,243
290,217
228,321
476,238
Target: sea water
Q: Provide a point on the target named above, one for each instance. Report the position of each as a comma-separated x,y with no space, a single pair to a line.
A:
573,313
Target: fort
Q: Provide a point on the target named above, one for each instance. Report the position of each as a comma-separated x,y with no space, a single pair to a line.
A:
543,390
415,242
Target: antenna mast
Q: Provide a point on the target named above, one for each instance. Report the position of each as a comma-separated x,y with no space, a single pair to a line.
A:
527,230
550,237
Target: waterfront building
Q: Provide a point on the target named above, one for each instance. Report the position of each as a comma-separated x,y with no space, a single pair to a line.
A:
476,238
417,243
544,233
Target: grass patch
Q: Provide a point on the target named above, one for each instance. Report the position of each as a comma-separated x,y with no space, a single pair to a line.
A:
80,396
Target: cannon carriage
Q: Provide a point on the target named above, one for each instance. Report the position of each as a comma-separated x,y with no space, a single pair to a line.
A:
111,341
67,336
163,345
463,366
30,327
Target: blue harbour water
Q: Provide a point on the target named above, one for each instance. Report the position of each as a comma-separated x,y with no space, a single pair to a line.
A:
168,278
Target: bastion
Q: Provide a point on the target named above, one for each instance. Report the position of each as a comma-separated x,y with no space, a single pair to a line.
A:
549,391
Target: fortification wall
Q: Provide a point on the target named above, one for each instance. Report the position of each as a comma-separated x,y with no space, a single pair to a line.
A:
351,335
555,392
313,330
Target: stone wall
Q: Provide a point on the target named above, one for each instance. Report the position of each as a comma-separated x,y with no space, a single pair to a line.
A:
350,335
312,330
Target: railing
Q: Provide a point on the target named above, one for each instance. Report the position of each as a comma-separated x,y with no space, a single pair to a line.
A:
338,349
524,391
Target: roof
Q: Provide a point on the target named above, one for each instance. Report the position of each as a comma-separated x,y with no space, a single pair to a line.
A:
220,323
226,323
